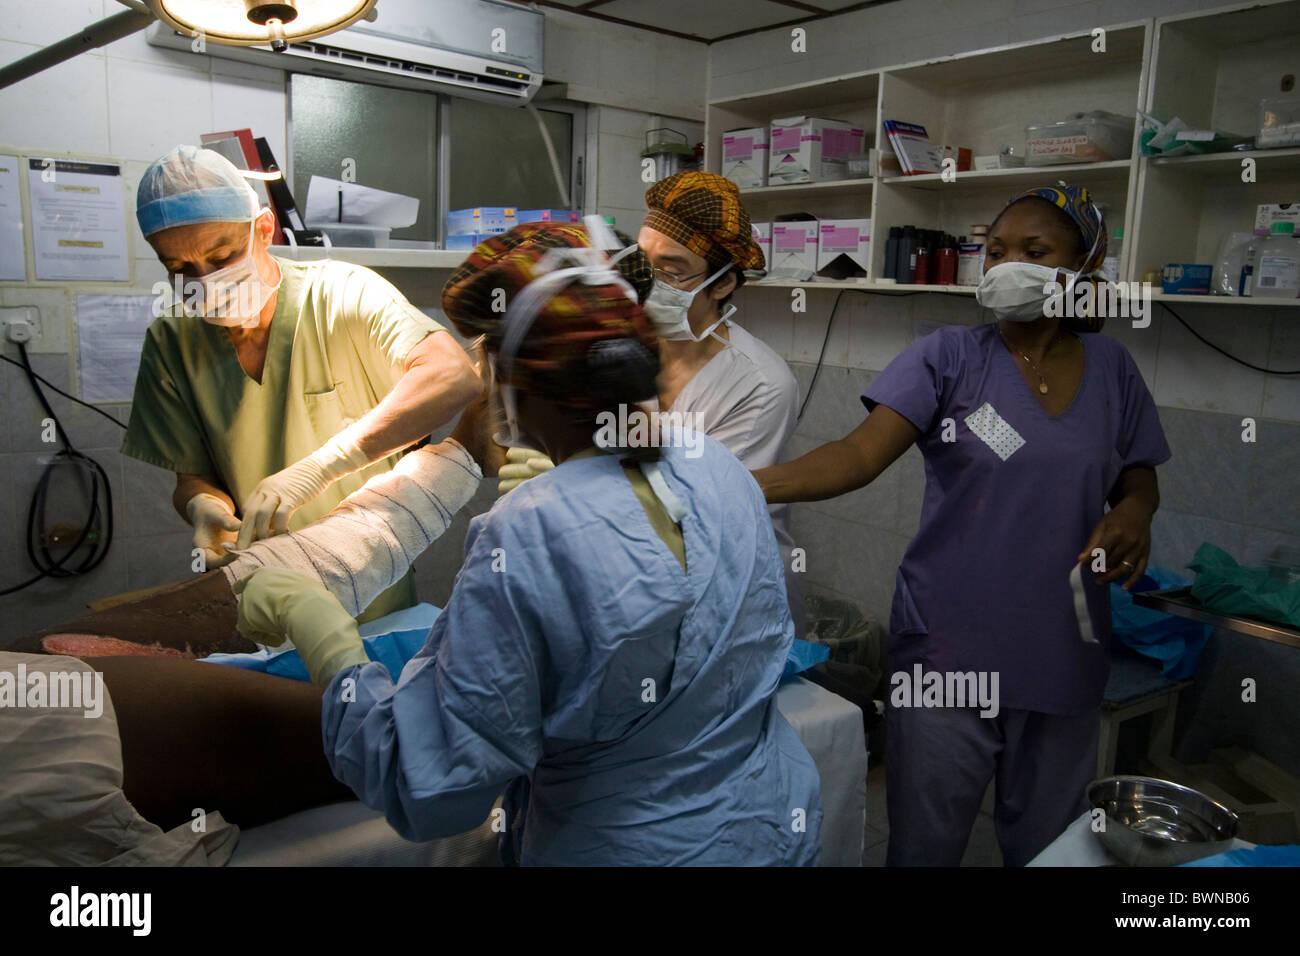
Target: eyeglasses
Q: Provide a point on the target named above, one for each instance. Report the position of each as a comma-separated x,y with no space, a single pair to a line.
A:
674,280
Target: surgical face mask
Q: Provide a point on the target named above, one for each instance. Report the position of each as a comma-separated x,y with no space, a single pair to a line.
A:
1021,291
233,295
668,308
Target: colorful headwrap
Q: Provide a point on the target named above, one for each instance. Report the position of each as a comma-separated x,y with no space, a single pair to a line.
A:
703,212
1075,202
551,361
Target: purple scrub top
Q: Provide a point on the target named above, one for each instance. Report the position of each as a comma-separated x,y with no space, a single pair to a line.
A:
1010,501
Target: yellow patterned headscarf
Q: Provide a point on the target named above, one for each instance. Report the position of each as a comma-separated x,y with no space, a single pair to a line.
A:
703,212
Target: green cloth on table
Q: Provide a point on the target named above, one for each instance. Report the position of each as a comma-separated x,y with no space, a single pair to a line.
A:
1224,586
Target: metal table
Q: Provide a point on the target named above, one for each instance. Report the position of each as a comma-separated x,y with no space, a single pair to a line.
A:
1180,601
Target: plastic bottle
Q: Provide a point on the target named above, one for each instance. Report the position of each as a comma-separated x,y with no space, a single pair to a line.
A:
907,256
924,252
970,257
1277,275
1247,285
891,252
945,263
1114,253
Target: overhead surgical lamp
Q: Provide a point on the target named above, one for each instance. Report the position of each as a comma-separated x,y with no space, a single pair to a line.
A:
259,22
230,22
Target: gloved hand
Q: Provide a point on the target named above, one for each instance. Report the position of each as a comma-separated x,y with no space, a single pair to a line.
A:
276,498
275,603
523,463
214,524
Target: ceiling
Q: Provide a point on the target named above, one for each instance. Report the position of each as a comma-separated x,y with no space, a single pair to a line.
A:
707,21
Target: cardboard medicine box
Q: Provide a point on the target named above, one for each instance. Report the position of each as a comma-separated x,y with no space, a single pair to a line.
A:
745,156
844,237
809,149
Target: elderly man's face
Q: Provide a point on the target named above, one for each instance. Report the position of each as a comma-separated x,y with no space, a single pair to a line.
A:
196,250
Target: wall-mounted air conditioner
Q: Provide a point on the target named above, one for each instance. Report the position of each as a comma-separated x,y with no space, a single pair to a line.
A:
483,49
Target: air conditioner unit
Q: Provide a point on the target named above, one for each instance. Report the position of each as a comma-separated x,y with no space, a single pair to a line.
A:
482,49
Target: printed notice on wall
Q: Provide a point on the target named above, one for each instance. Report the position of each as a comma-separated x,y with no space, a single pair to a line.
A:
110,336
12,265
78,220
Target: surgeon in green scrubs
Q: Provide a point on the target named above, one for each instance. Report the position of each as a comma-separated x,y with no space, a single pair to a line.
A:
273,388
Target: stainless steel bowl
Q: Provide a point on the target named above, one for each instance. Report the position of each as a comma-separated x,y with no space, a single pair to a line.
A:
1152,822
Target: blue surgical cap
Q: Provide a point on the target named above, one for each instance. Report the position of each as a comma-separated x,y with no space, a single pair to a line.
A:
191,185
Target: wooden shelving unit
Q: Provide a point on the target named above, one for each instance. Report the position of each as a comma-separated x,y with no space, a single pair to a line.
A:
1211,68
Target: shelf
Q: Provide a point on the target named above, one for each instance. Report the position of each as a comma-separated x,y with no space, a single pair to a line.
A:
803,97
1115,171
885,288
805,190
1217,300
393,258
864,285
1208,164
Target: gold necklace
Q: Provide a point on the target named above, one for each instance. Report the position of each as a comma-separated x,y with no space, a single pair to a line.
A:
1042,384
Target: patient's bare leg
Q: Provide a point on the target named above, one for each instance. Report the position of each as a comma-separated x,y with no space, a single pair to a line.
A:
202,736
359,549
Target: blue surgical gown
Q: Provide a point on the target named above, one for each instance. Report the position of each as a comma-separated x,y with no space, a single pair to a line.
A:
574,650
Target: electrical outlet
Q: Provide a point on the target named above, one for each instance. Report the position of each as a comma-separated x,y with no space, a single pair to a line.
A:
21,324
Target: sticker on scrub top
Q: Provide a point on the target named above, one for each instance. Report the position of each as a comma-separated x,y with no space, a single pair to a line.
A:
992,429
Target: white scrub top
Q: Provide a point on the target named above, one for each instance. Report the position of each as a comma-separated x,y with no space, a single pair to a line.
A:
748,400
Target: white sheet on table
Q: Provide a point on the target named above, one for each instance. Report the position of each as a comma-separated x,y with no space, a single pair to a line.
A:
831,728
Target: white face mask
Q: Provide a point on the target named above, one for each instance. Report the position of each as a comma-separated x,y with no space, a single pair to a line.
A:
233,295
1021,291
667,310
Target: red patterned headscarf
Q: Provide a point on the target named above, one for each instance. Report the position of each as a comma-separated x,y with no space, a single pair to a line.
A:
551,359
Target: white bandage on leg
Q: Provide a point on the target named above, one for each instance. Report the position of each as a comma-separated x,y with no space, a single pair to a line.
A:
370,539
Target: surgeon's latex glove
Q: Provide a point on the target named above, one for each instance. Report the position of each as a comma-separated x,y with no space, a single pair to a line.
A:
276,498
522,464
275,603
214,525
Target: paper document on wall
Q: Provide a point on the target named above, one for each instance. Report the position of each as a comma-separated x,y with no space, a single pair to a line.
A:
332,200
78,220
12,263
110,336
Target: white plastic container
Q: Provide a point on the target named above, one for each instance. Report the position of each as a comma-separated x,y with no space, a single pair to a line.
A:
970,256
1114,255
1277,276
1095,137
1279,122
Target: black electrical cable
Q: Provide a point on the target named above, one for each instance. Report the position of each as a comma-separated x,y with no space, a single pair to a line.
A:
826,339
54,388
96,531
1225,354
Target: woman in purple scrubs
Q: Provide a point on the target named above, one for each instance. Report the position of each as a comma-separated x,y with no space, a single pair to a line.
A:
1029,427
